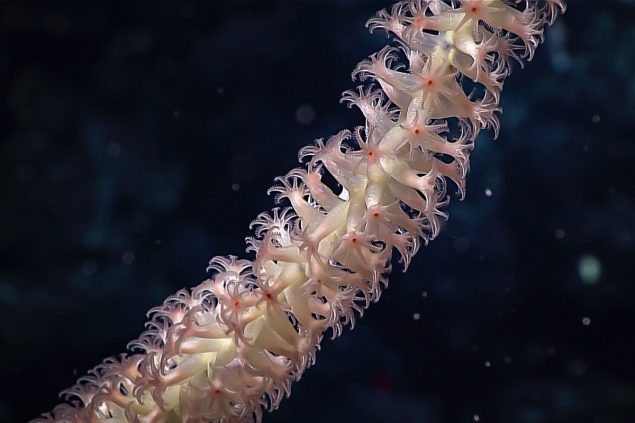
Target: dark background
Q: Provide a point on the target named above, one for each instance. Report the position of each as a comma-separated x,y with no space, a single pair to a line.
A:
138,139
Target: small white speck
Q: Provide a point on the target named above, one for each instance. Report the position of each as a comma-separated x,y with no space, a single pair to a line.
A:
476,418
560,234
176,114
416,316
25,173
89,266
344,195
586,321
488,364
461,245
113,150
589,269
488,192
595,118
128,257
220,90
577,368
424,294
305,115
235,187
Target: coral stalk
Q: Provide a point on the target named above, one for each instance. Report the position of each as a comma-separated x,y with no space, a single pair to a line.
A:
230,348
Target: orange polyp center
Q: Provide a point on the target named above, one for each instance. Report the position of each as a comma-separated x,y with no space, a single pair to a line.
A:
427,81
376,214
372,154
417,131
353,240
418,21
236,304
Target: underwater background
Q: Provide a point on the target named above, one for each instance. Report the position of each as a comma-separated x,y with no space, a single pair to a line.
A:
138,139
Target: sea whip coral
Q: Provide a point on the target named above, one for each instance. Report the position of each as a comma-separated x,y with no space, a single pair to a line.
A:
231,347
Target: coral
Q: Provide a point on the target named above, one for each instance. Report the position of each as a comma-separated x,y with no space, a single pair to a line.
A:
231,347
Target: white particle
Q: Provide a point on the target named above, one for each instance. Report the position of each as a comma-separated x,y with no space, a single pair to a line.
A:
595,118
305,115
344,195
586,321
235,187
416,316
461,245
488,364
113,150
560,234
476,418
577,368
424,294
89,266
589,269
25,173
128,257
488,192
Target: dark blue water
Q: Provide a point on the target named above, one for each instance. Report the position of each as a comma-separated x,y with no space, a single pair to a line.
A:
138,139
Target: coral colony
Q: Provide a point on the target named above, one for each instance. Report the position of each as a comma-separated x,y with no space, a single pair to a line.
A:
230,348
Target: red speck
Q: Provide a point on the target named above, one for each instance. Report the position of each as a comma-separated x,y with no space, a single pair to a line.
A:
382,382
269,296
236,304
376,214
353,240
417,131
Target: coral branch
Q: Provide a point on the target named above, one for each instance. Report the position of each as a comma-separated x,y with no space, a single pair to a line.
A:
231,347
